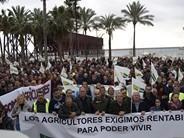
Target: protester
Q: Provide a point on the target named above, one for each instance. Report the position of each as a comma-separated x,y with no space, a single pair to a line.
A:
175,103
126,99
84,102
56,101
41,105
5,121
137,104
97,72
111,93
20,105
149,98
118,107
176,89
157,106
99,104
69,109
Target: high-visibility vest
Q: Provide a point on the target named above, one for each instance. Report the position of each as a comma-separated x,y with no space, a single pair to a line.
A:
46,106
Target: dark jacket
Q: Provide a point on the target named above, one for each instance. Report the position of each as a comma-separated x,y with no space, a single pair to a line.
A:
141,107
55,105
115,108
127,101
7,123
100,105
64,111
85,105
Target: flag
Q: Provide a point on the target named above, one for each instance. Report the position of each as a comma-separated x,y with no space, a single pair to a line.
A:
68,84
115,60
13,69
16,63
121,74
7,61
63,73
66,81
70,66
135,60
138,74
138,86
48,66
175,73
180,75
154,74
42,69
144,64
40,58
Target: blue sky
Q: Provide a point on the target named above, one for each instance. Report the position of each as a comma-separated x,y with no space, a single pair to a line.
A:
168,21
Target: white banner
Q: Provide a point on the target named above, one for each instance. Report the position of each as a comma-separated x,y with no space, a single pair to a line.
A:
152,125
30,92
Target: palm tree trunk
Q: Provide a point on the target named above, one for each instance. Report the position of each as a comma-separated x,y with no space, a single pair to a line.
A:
22,47
8,42
134,52
45,30
25,45
85,32
12,45
4,44
16,48
1,49
110,56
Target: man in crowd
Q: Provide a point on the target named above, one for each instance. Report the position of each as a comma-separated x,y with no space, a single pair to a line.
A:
149,98
41,105
126,99
99,104
118,107
137,104
69,109
84,102
56,101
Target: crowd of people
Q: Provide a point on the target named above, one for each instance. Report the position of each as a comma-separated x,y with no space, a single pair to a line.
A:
166,94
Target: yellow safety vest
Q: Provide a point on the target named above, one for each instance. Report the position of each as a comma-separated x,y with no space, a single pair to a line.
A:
46,106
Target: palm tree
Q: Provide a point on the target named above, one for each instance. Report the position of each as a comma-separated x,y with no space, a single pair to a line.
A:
61,23
110,23
37,30
137,13
5,28
95,26
19,20
73,10
2,54
86,20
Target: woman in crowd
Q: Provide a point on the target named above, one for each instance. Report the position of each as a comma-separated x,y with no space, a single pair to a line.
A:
175,103
5,121
157,106
20,105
